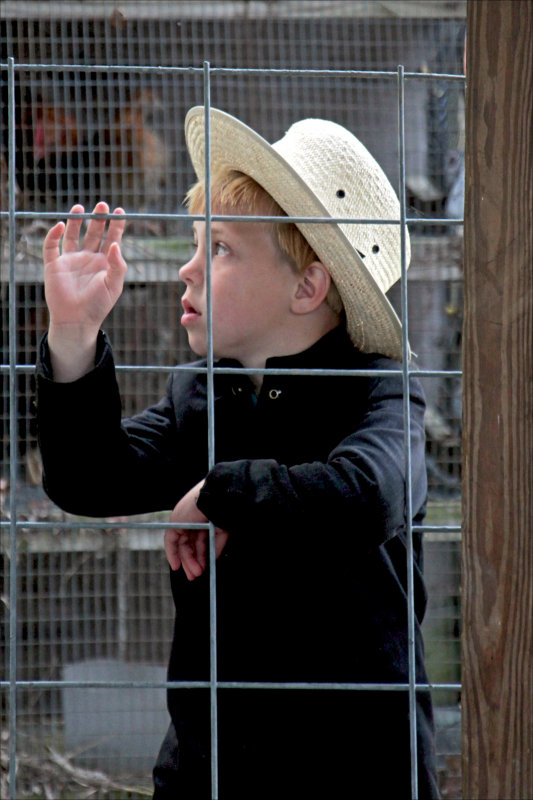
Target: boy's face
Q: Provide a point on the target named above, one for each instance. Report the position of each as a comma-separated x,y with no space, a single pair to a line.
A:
252,288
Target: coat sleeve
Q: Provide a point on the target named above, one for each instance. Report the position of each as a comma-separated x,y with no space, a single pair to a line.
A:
94,463
360,488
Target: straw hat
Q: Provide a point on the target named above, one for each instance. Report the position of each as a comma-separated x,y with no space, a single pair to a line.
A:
319,169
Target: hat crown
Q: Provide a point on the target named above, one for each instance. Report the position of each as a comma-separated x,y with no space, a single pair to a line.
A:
349,183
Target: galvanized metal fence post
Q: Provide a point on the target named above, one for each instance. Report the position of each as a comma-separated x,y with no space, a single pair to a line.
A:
213,690
13,439
407,440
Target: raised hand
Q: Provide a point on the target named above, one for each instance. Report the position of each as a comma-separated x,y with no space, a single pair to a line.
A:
82,284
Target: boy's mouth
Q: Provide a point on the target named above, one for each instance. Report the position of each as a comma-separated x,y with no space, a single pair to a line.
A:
190,312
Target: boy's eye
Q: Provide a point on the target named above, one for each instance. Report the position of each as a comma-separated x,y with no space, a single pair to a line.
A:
220,249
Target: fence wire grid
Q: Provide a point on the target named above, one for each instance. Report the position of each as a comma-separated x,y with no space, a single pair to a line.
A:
87,607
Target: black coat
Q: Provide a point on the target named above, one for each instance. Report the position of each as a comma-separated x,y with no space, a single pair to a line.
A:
310,484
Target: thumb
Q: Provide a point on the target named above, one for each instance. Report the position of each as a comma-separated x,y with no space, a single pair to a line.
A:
117,267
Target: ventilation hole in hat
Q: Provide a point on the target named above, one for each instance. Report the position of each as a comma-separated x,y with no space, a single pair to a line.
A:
360,253
375,249
341,193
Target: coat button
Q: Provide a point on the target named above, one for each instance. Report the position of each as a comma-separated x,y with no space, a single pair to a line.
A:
274,394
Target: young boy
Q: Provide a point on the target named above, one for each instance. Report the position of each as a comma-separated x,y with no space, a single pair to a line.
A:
307,494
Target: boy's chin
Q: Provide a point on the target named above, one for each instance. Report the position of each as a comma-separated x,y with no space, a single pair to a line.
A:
201,351
200,348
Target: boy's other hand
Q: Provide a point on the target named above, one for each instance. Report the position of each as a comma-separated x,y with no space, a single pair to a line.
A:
82,281
189,548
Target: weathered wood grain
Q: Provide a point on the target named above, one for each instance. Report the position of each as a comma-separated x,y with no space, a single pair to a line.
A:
497,587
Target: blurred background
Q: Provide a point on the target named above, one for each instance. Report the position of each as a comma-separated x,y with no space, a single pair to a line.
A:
94,604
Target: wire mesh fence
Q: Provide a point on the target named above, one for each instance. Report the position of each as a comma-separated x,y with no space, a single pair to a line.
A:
100,96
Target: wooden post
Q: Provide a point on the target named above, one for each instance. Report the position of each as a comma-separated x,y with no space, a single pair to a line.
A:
497,589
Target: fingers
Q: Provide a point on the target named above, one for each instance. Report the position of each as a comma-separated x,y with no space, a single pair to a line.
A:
115,230
187,549
221,540
200,555
95,229
192,553
171,549
51,242
72,231
117,270
94,238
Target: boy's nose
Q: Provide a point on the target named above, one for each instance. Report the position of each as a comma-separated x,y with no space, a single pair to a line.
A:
192,271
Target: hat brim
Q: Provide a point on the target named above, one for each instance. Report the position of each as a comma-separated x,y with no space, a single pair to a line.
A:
371,321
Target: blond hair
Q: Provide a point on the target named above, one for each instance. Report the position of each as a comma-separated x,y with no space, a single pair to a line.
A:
234,192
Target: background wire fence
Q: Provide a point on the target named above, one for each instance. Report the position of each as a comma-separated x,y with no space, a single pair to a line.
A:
93,603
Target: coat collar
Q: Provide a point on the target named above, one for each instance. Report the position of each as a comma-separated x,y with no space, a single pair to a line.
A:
333,350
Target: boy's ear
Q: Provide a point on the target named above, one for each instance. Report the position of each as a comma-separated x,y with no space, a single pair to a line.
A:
312,288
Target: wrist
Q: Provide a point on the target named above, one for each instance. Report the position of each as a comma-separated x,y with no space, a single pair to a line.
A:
72,351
